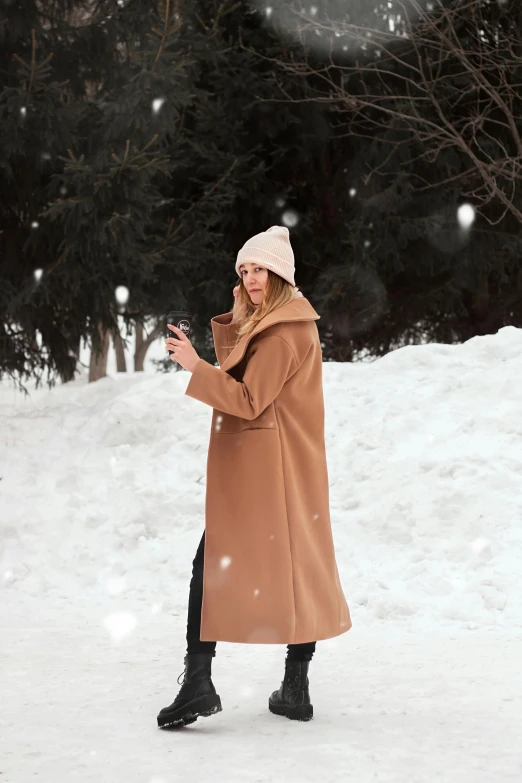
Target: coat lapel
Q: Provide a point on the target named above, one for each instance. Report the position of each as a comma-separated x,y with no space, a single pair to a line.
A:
298,309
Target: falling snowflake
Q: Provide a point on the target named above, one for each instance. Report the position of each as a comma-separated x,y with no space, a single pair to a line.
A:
38,274
35,224
466,215
46,156
122,294
313,10
63,191
225,562
256,592
280,202
290,218
479,545
119,625
352,192
367,243
23,111
116,585
157,103
268,12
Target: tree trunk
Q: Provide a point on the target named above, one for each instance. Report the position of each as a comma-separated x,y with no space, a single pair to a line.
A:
74,353
139,356
121,365
98,363
142,345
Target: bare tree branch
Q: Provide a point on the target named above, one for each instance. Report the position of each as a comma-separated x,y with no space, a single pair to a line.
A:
449,81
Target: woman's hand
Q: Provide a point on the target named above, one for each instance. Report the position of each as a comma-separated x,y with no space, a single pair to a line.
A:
184,352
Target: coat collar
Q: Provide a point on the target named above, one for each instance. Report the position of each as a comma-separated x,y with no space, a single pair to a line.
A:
298,309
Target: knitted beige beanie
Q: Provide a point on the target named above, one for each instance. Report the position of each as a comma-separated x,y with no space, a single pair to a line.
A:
271,249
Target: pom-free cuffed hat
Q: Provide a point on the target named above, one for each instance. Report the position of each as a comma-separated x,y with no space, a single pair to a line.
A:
271,249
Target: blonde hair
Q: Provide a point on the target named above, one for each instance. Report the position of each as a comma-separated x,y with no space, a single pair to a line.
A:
247,315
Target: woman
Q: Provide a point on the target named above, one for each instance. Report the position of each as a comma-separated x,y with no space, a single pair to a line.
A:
265,570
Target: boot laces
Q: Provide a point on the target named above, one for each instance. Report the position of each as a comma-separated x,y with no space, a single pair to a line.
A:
183,673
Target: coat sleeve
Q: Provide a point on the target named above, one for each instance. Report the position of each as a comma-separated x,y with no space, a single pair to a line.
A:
269,366
224,334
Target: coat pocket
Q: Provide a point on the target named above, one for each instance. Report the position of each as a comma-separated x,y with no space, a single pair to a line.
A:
226,424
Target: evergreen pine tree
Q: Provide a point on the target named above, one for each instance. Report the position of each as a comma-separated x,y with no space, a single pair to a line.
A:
39,115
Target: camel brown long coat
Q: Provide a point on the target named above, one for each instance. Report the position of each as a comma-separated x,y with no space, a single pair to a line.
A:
270,572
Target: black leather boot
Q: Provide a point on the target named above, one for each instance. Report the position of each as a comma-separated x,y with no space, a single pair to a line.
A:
293,698
197,696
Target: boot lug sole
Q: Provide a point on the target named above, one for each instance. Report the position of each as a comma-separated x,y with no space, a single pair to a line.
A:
199,708
301,712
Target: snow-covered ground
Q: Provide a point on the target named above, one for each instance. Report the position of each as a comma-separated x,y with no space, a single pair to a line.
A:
101,509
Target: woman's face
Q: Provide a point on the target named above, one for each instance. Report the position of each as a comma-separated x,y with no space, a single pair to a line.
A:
255,278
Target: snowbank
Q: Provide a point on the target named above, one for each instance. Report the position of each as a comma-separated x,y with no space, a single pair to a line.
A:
103,486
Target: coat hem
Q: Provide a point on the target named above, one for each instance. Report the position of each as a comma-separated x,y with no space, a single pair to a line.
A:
320,638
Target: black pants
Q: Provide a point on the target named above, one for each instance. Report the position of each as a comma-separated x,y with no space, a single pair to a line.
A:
296,652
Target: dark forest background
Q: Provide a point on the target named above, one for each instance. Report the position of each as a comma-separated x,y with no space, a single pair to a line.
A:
141,144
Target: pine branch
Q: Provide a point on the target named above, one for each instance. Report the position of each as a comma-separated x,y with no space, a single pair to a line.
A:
58,261
198,202
127,147
33,68
166,31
